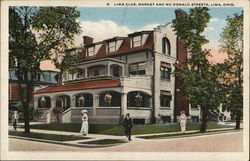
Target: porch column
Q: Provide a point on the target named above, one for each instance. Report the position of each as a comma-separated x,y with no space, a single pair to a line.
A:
72,101
86,72
108,66
36,102
53,102
95,103
123,104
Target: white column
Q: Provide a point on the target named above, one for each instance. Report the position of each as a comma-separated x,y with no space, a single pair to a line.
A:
36,102
53,102
123,104
95,103
86,72
108,66
72,101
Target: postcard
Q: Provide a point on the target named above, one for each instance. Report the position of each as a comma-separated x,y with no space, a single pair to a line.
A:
125,80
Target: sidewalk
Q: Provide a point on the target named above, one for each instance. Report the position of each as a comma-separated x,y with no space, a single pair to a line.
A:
94,137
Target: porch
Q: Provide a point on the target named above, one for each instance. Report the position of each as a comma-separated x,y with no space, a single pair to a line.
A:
106,101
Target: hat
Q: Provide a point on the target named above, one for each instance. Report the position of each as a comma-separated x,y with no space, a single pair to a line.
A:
84,111
182,112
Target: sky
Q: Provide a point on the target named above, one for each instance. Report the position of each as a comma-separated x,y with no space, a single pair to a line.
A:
107,22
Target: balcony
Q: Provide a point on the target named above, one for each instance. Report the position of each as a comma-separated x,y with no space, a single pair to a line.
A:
138,81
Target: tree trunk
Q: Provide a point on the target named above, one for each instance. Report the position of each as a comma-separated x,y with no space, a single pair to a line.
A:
237,121
204,120
26,107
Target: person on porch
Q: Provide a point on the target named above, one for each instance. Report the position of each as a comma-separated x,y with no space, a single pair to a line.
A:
127,123
85,125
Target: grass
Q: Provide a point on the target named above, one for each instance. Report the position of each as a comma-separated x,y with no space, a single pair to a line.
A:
53,137
104,142
169,136
119,130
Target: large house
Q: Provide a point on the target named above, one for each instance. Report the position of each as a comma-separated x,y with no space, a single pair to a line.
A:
123,75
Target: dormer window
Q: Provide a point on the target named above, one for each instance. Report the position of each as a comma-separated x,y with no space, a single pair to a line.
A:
137,41
91,51
111,47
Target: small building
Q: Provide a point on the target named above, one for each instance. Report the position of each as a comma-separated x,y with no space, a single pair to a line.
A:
44,79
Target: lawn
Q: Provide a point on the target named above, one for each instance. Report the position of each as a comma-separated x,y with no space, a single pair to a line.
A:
104,142
119,130
169,136
53,137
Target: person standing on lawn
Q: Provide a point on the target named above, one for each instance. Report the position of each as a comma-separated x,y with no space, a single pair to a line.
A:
15,118
127,123
183,121
85,124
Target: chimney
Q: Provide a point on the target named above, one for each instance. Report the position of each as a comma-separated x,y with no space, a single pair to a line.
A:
178,13
87,40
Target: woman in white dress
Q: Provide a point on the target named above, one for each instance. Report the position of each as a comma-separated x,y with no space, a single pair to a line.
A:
183,121
85,125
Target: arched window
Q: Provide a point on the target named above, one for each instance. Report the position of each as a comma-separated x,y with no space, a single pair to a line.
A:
84,100
138,99
63,101
166,47
110,99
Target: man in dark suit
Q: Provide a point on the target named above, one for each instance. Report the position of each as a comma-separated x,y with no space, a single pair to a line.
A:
127,123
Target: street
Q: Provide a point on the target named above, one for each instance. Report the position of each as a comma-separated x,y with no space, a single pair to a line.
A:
226,142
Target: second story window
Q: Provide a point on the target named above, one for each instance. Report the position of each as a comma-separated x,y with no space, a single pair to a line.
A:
80,73
111,47
137,69
165,71
91,51
136,41
166,48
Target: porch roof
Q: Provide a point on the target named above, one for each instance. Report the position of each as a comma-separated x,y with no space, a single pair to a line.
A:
81,86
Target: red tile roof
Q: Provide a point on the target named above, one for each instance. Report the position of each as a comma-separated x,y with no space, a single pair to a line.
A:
81,86
125,48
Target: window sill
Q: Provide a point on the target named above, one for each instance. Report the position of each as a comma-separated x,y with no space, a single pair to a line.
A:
194,109
165,80
107,107
138,108
165,108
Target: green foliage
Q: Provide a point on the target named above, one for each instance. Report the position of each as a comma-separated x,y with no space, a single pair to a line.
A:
200,77
232,76
119,130
53,137
37,34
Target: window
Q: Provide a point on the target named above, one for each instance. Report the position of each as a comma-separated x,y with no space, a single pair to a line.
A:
116,71
137,41
91,51
166,48
137,69
80,73
165,71
165,98
111,47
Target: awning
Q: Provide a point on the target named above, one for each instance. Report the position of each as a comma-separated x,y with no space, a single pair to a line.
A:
81,86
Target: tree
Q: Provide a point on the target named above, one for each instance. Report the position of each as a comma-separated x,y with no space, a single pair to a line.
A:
199,77
232,76
36,34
